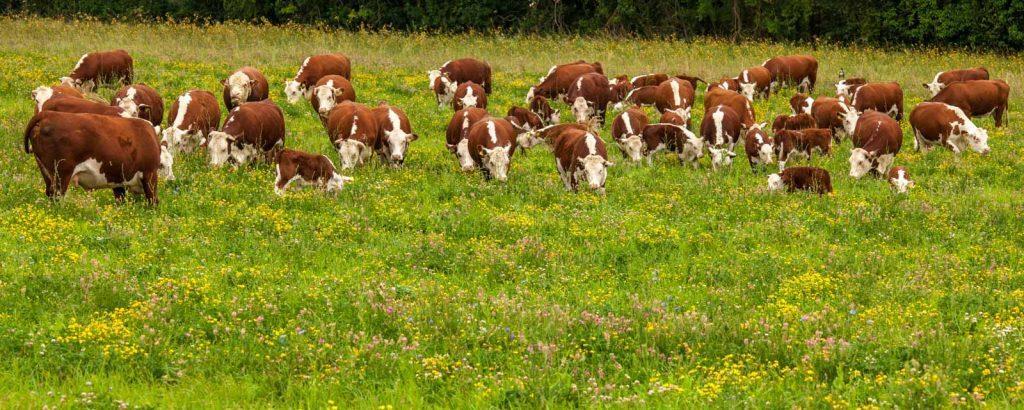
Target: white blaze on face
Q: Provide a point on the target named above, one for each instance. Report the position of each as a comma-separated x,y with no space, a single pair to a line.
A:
808,104
850,116
676,98
462,153
470,99
976,137
774,182
166,164
325,97
718,117
218,147
239,87
496,161
397,139
935,86
128,103
860,163
764,151
581,110
594,166
41,95
900,182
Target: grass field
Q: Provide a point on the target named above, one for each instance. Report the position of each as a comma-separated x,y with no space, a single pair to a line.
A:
425,286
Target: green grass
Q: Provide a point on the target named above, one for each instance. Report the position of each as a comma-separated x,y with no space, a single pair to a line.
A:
425,286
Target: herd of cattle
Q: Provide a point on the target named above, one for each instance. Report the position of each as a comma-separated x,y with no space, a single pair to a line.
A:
123,145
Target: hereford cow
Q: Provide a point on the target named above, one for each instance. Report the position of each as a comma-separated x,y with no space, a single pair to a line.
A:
977,98
945,78
539,105
100,68
589,96
755,81
491,145
306,169
627,130
721,130
619,88
946,125
457,134
731,99
876,137
798,70
847,87
802,143
42,94
674,95
252,129
469,94
641,96
670,117
394,134
758,146
793,122
83,106
560,77
97,151
550,133
581,156
246,84
142,101
881,97
648,80
813,179
191,118
527,124
674,138
690,79
801,103
825,111
900,180
725,83
353,131
445,80
312,70
329,91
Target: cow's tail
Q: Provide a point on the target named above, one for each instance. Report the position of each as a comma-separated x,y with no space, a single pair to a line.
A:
30,129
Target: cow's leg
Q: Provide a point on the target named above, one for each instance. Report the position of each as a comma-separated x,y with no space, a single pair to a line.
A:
997,114
61,181
149,187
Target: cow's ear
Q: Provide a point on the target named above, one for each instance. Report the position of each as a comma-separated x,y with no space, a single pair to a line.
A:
450,147
252,83
145,109
224,82
924,85
608,163
413,137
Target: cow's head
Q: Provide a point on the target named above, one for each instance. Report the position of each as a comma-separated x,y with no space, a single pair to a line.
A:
849,116
239,87
582,110
327,97
861,161
763,142
352,153
337,182
85,86
470,99
176,139
976,137
530,94
396,143
128,103
934,87
443,87
978,140
223,149
693,147
41,95
166,170
900,182
461,151
720,157
775,182
526,136
594,168
632,146
496,160
296,91
748,90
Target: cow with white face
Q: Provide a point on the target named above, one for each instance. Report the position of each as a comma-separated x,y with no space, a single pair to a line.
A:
581,156
721,130
330,90
627,129
353,131
946,125
457,135
846,88
443,87
251,130
193,115
759,147
312,70
246,84
141,101
876,137
491,145
395,134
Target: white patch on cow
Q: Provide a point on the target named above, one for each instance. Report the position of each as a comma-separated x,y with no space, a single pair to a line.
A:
90,176
628,123
462,153
175,135
41,95
128,103
843,89
219,147
808,105
81,60
935,86
748,90
967,131
860,162
166,164
693,148
470,99
718,117
295,90
530,94
676,98
775,182
492,132
337,182
352,153
850,116
496,161
239,87
632,146
325,96
764,151
901,183
397,139
633,80
581,110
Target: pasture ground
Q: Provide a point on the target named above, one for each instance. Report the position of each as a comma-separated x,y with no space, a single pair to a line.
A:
425,286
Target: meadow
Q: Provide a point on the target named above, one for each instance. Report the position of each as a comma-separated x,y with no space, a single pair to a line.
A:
425,286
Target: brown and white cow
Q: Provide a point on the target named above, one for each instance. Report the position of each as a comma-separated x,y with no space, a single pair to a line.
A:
731,99
802,143
469,94
648,80
801,103
252,129
627,130
330,90
847,87
644,96
191,118
798,70
946,125
619,87
540,106
900,180
353,131
527,124
977,98
83,106
876,137
693,80
314,68
581,157
759,147
755,81
945,78
793,122
725,83
246,84
491,145
675,95
882,97
457,134
295,166
445,80
142,101
670,117
42,94
395,134
97,152
813,179
588,97
550,133
100,68
675,138
560,77
721,129
825,111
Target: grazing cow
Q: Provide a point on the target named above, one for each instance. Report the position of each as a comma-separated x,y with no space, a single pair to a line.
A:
142,101
246,84
619,88
670,117
42,94
945,78
641,96
97,151
83,106
876,137
457,134
589,96
312,70
648,80
469,94
801,103
539,105
731,99
946,125
900,180
882,97
847,87
550,133
754,81
445,80
758,146
798,70
675,95
560,77
252,129
100,68
395,134
353,131
977,98
825,111
674,138
721,130
527,124
725,83
191,118
306,169
801,143
813,179
329,91
793,122
627,130
491,145
581,156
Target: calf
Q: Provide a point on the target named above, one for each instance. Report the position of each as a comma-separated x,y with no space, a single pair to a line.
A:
799,70
581,155
734,100
900,180
445,80
306,169
42,94
329,91
674,138
627,129
801,103
881,97
876,137
539,105
312,70
674,95
469,94
758,146
491,145
246,84
793,122
560,77
847,87
100,68
721,130
946,125
252,129
945,78
83,106
457,134
394,134
977,98
142,101
97,151
589,96
192,116
825,111
755,81
353,131
528,124
641,96
813,179
801,143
